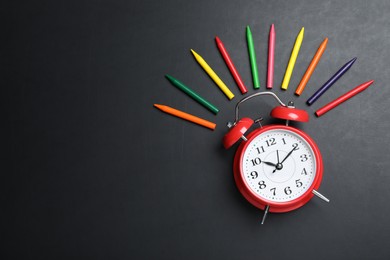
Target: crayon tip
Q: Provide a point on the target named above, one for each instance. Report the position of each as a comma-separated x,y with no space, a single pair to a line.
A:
196,55
325,41
300,34
272,28
368,83
248,30
350,63
302,31
217,40
170,78
158,106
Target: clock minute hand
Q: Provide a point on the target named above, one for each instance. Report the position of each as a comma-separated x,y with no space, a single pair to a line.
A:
279,165
288,155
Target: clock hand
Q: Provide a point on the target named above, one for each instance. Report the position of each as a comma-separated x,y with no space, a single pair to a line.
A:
289,154
277,154
279,165
269,163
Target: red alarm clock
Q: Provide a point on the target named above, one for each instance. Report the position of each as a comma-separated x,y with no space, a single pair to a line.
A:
277,168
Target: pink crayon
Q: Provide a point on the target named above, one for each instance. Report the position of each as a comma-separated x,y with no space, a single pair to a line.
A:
271,55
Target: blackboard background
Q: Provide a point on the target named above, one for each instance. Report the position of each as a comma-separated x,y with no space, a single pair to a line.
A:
92,171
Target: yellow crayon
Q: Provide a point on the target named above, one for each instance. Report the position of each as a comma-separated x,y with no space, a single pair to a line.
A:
213,75
293,58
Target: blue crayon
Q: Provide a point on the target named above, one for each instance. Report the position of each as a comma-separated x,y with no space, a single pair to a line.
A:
330,82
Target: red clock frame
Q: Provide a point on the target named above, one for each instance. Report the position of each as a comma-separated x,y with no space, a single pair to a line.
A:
261,203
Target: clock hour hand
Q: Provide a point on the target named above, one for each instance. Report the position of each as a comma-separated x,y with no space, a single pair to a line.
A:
269,163
273,164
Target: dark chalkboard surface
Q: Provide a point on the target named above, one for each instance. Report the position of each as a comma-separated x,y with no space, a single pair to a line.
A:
93,171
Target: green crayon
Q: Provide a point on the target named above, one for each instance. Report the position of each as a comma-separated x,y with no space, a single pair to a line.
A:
192,94
252,57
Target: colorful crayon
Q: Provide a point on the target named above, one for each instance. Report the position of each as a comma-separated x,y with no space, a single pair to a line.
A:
343,98
213,75
186,116
271,57
293,59
230,65
330,82
192,94
252,58
311,68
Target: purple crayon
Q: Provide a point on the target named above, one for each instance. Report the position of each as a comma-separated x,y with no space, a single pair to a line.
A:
330,82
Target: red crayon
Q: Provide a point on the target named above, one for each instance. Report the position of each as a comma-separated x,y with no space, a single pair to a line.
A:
230,65
271,54
343,98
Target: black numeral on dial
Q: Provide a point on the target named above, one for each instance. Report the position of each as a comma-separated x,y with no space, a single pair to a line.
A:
254,174
287,190
304,157
256,161
270,142
260,149
262,185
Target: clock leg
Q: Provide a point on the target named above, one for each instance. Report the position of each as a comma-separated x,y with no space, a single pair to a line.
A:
319,195
265,214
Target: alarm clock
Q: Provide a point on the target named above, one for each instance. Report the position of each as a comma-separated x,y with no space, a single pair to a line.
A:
277,168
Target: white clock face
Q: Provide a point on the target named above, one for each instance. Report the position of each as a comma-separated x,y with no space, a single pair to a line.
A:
279,165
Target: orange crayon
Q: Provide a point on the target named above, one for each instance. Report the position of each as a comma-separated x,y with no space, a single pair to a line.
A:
311,68
186,116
